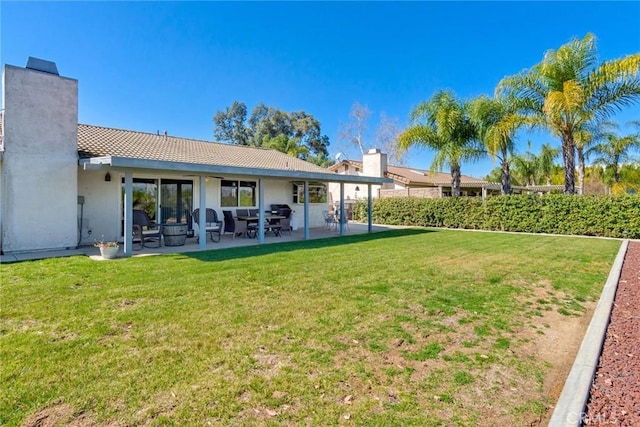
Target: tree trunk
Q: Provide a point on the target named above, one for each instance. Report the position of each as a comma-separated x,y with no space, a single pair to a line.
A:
569,162
580,170
455,180
506,178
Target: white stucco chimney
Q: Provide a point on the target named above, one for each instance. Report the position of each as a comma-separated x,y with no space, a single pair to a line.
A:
40,162
374,163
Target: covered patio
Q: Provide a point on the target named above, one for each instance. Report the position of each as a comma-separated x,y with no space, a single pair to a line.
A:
191,245
213,173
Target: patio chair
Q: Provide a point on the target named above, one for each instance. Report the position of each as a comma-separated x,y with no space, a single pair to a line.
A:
268,225
253,212
212,225
234,225
145,230
242,212
330,220
341,218
285,225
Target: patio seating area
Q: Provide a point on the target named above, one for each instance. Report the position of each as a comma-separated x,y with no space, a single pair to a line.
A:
227,241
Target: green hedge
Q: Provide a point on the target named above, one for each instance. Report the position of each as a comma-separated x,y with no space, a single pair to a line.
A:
609,216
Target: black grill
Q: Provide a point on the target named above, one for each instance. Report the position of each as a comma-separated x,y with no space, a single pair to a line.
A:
281,209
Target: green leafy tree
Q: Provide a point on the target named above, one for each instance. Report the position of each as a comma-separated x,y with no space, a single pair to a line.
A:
585,137
266,124
284,144
497,123
615,151
443,125
527,168
230,126
630,173
569,88
321,160
546,161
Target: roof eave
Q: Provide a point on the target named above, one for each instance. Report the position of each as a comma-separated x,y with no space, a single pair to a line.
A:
132,163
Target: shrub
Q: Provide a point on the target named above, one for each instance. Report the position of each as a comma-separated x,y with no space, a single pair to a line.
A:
607,216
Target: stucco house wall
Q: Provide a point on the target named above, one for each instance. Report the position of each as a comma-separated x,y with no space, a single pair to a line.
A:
101,213
39,183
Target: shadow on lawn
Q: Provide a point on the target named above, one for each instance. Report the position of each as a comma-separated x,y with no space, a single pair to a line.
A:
249,251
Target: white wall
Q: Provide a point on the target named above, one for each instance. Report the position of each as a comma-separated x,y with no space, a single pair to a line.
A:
103,205
101,215
275,192
39,194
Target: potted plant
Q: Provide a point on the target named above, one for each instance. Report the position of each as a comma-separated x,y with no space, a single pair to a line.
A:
108,250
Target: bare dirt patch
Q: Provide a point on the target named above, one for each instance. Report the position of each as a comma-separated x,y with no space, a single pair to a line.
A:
60,415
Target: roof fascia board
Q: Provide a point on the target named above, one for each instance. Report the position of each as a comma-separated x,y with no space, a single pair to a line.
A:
126,162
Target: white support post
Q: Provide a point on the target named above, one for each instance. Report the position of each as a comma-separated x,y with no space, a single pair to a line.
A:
128,213
306,210
261,217
341,218
369,209
202,214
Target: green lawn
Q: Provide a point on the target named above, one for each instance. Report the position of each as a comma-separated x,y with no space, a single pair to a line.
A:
407,327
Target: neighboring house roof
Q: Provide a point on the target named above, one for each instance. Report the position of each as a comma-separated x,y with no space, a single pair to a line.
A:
415,177
99,145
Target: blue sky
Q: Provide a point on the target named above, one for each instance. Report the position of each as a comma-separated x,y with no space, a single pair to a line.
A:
152,66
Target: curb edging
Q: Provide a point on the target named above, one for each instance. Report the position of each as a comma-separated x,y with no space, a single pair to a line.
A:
569,410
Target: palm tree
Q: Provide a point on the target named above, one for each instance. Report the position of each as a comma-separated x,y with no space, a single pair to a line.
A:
546,160
527,167
585,137
448,130
569,88
284,144
615,151
497,123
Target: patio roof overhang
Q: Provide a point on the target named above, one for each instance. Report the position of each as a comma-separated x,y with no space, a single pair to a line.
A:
97,163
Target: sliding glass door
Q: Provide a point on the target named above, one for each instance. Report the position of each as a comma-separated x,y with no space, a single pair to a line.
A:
176,201
170,202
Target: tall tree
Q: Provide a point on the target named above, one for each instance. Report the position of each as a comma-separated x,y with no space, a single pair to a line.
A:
307,129
568,88
589,134
267,123
272,127
527,167
230,126
353,132
615,151
387,134
546,161
442,124
284,144
497,122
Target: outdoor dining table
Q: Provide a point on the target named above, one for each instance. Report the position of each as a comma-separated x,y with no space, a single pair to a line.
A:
253,220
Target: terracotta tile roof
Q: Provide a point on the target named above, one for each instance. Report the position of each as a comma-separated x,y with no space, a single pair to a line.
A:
416,177
97,141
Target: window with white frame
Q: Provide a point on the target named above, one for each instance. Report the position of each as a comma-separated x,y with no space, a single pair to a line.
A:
317,193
